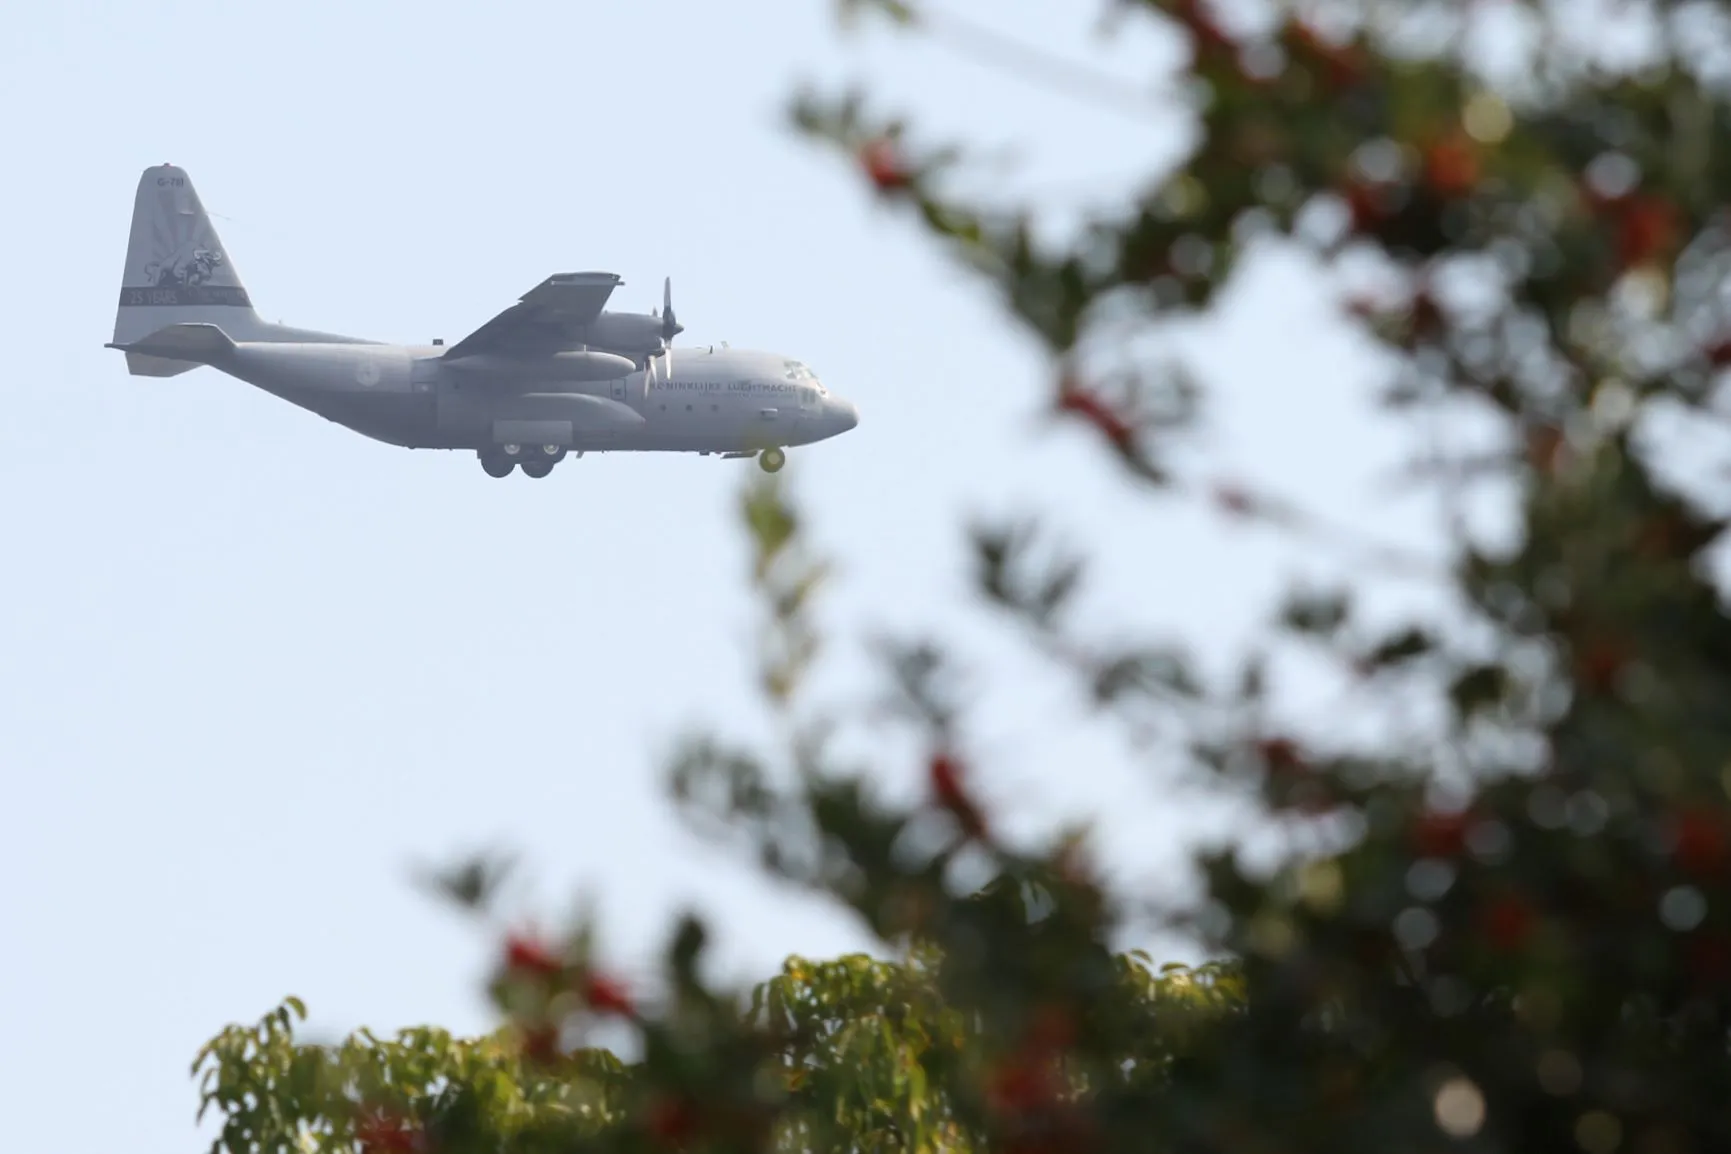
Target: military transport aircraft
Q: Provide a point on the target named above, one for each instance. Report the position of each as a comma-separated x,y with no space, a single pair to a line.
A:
553,374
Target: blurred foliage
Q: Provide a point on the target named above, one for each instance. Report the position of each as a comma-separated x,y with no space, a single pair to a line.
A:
421,1090
855,1053
1535,960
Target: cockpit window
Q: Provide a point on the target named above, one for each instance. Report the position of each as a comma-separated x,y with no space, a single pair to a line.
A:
799,371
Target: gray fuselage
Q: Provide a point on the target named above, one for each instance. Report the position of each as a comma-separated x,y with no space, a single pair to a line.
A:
711,399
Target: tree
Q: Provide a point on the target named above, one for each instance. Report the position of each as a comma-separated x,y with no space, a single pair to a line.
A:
855,1053
1537,961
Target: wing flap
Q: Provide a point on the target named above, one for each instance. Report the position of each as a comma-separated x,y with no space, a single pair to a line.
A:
549,316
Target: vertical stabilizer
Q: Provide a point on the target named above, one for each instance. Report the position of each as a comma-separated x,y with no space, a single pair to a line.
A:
177,272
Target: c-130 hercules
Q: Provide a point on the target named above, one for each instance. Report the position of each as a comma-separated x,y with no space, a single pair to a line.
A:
551,375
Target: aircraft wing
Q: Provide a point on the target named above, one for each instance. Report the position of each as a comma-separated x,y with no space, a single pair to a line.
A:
551,315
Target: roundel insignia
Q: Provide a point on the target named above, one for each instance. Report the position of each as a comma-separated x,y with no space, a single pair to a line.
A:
367,373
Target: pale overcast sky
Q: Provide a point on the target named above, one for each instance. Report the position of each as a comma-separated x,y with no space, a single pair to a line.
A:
254,666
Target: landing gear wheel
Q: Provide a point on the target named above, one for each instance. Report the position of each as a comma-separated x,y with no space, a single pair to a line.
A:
537,468
498,466
553,453
772,460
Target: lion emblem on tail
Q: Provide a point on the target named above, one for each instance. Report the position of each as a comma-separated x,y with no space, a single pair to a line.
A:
193,270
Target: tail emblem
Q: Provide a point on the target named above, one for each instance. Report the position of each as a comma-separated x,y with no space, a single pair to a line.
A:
188,271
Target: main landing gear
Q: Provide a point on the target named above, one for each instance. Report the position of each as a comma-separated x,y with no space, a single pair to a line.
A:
771,460
538,463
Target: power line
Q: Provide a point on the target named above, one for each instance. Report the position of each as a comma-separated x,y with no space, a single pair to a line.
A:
996,50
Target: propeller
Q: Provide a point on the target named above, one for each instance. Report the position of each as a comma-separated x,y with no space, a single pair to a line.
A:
670,326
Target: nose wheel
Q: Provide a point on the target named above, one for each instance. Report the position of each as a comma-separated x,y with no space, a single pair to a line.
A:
771,460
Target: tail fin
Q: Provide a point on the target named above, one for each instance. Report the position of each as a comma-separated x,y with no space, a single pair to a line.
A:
177,272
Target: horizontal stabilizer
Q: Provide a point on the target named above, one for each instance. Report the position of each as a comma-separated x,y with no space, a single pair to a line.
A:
189,344
142,365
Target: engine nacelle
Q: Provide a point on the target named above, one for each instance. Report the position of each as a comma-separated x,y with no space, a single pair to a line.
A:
634,331
571,365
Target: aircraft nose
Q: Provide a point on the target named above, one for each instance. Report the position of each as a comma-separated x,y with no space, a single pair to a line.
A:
846,414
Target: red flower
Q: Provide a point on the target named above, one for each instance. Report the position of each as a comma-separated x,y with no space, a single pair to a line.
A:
945,776
884,165
1439,835
1022,1085
382,1133
1451,165
671,1121
1647,230
1701,842
607,996
528,955
1072,398
1508,922
1279,754
1365,204
541,1045
1599,662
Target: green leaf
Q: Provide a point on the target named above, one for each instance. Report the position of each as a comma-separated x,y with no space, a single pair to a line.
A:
1403,646
1316,612
1478,688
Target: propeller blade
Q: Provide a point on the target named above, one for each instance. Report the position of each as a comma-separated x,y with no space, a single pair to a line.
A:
670,326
